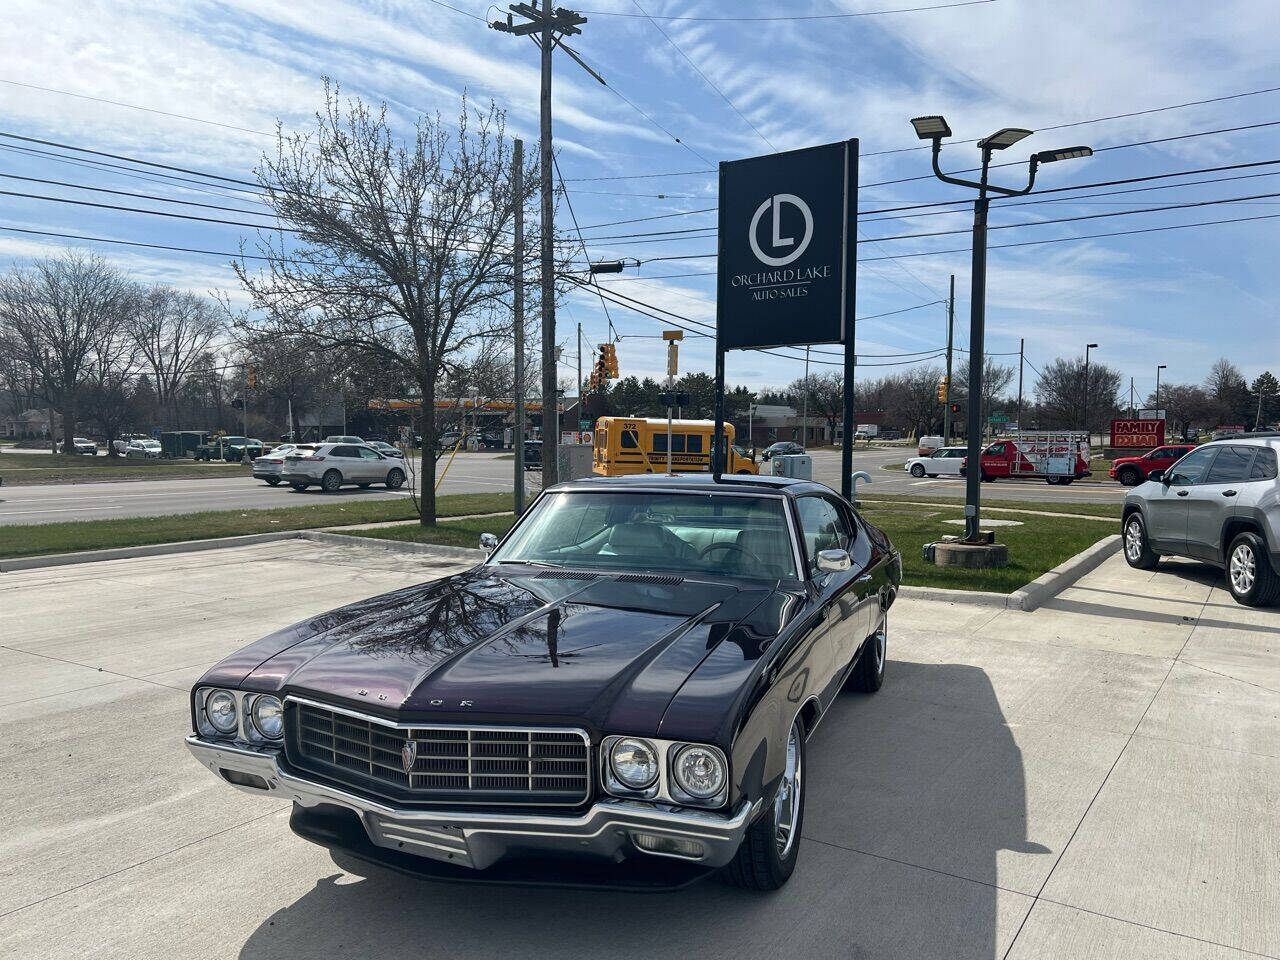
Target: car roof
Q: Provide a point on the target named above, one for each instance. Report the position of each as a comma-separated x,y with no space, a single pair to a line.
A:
698,483
1265,438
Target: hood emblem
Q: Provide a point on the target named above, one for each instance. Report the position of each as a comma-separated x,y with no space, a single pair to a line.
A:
409,755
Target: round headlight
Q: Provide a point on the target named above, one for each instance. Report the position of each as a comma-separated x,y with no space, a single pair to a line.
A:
220,708
268,717
634,762
699,772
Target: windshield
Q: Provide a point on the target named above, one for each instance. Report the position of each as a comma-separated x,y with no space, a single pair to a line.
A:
689,533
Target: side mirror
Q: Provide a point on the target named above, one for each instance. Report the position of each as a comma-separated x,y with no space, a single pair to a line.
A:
834,561
1157,475
488,542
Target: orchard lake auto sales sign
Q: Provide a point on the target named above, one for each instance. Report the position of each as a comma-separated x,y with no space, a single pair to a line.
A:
785,271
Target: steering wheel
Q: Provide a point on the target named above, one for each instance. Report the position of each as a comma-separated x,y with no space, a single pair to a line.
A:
725,545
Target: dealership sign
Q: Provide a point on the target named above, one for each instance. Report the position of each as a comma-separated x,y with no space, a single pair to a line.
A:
785,273
1143,434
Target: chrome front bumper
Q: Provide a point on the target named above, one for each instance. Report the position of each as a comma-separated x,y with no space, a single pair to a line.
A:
474,839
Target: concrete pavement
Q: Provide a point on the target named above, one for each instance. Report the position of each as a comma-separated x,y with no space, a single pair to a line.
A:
1092,780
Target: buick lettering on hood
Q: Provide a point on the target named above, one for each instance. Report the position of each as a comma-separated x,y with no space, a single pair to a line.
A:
628,679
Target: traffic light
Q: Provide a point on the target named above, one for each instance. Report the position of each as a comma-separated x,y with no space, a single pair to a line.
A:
609,361
943,384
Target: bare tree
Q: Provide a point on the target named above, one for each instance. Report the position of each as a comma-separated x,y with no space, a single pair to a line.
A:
173,329
1060,395
62,313
826,396
401,250
996,379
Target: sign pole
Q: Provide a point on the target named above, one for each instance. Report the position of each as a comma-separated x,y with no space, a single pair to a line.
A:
717,437
849,298
717,442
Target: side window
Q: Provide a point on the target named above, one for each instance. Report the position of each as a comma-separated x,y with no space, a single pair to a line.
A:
1191,468
629,441
822,527
1264,464
1231,464
693,444
368,453
660,442
677,443
996,450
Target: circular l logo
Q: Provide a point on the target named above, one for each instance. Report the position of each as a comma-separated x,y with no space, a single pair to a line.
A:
774,204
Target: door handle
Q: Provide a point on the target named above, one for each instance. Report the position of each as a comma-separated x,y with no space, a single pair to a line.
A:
1183,493
1228,493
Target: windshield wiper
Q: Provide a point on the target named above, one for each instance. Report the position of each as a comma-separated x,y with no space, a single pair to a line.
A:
532,563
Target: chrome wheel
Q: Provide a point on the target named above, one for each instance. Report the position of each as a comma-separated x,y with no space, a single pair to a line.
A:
1133,539
1243,568
786,807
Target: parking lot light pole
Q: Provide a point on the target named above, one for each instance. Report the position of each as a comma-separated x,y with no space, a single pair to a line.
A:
1162,366
934,129
1087,348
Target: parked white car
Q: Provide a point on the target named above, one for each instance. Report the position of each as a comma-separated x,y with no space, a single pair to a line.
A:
945,462
331,465
143,450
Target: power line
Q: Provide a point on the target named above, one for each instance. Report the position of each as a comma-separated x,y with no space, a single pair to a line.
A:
660,216
574,217
709,82
818,16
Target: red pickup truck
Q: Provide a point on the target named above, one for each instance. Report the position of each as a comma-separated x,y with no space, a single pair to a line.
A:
1131,471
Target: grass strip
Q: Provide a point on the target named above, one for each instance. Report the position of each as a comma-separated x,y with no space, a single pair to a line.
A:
30,540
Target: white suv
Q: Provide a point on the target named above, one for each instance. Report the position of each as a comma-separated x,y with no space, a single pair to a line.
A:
333,464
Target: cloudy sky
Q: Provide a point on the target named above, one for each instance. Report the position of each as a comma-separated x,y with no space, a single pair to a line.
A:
728,84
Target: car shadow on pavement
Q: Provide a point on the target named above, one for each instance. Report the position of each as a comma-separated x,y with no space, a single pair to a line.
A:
910,803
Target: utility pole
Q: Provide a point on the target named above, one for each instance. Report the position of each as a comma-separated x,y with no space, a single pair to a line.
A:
1132,414
951,326
580,408
517,273
547,28
1022,346
804,403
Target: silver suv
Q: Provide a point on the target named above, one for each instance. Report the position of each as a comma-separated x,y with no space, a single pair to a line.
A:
1219,503
331,465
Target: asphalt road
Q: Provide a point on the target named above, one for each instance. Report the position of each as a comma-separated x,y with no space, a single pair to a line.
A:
469,473
1095,780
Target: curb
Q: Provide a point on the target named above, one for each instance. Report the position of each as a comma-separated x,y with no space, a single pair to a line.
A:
1050,584
147,550
1034,594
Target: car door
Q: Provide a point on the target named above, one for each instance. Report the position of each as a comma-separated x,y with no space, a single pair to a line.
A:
372,465
947,462
1166,506
347,461
995,460
1211,503
841,595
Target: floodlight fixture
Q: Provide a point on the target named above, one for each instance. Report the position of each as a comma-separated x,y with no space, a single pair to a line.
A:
1066,153
1004,138
931,128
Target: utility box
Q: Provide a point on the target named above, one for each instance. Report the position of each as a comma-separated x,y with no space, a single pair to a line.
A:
573,460
798,466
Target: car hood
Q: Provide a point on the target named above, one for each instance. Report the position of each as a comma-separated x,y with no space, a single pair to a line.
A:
613,651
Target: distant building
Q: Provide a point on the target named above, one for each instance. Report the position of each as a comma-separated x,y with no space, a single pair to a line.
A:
31,424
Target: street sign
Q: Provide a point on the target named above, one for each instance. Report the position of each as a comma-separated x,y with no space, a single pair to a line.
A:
1140,433
1149,414
998,418
786,256
584,424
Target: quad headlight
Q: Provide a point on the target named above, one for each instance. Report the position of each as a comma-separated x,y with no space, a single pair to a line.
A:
664,771
634,762
699,771
221,711
267,713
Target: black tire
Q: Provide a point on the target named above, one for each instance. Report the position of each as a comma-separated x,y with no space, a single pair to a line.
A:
331,481
299,486
744,471
917,470
988,478
759,863
1250,577
272,481
395,479
1133,540
1129,476
867,675
1053,481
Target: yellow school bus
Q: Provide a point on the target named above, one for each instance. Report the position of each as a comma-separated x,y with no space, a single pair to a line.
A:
626,445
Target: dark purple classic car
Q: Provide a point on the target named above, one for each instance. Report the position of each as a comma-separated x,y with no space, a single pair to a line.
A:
630,675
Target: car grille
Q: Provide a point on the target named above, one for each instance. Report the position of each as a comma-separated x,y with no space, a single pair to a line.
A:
496,765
